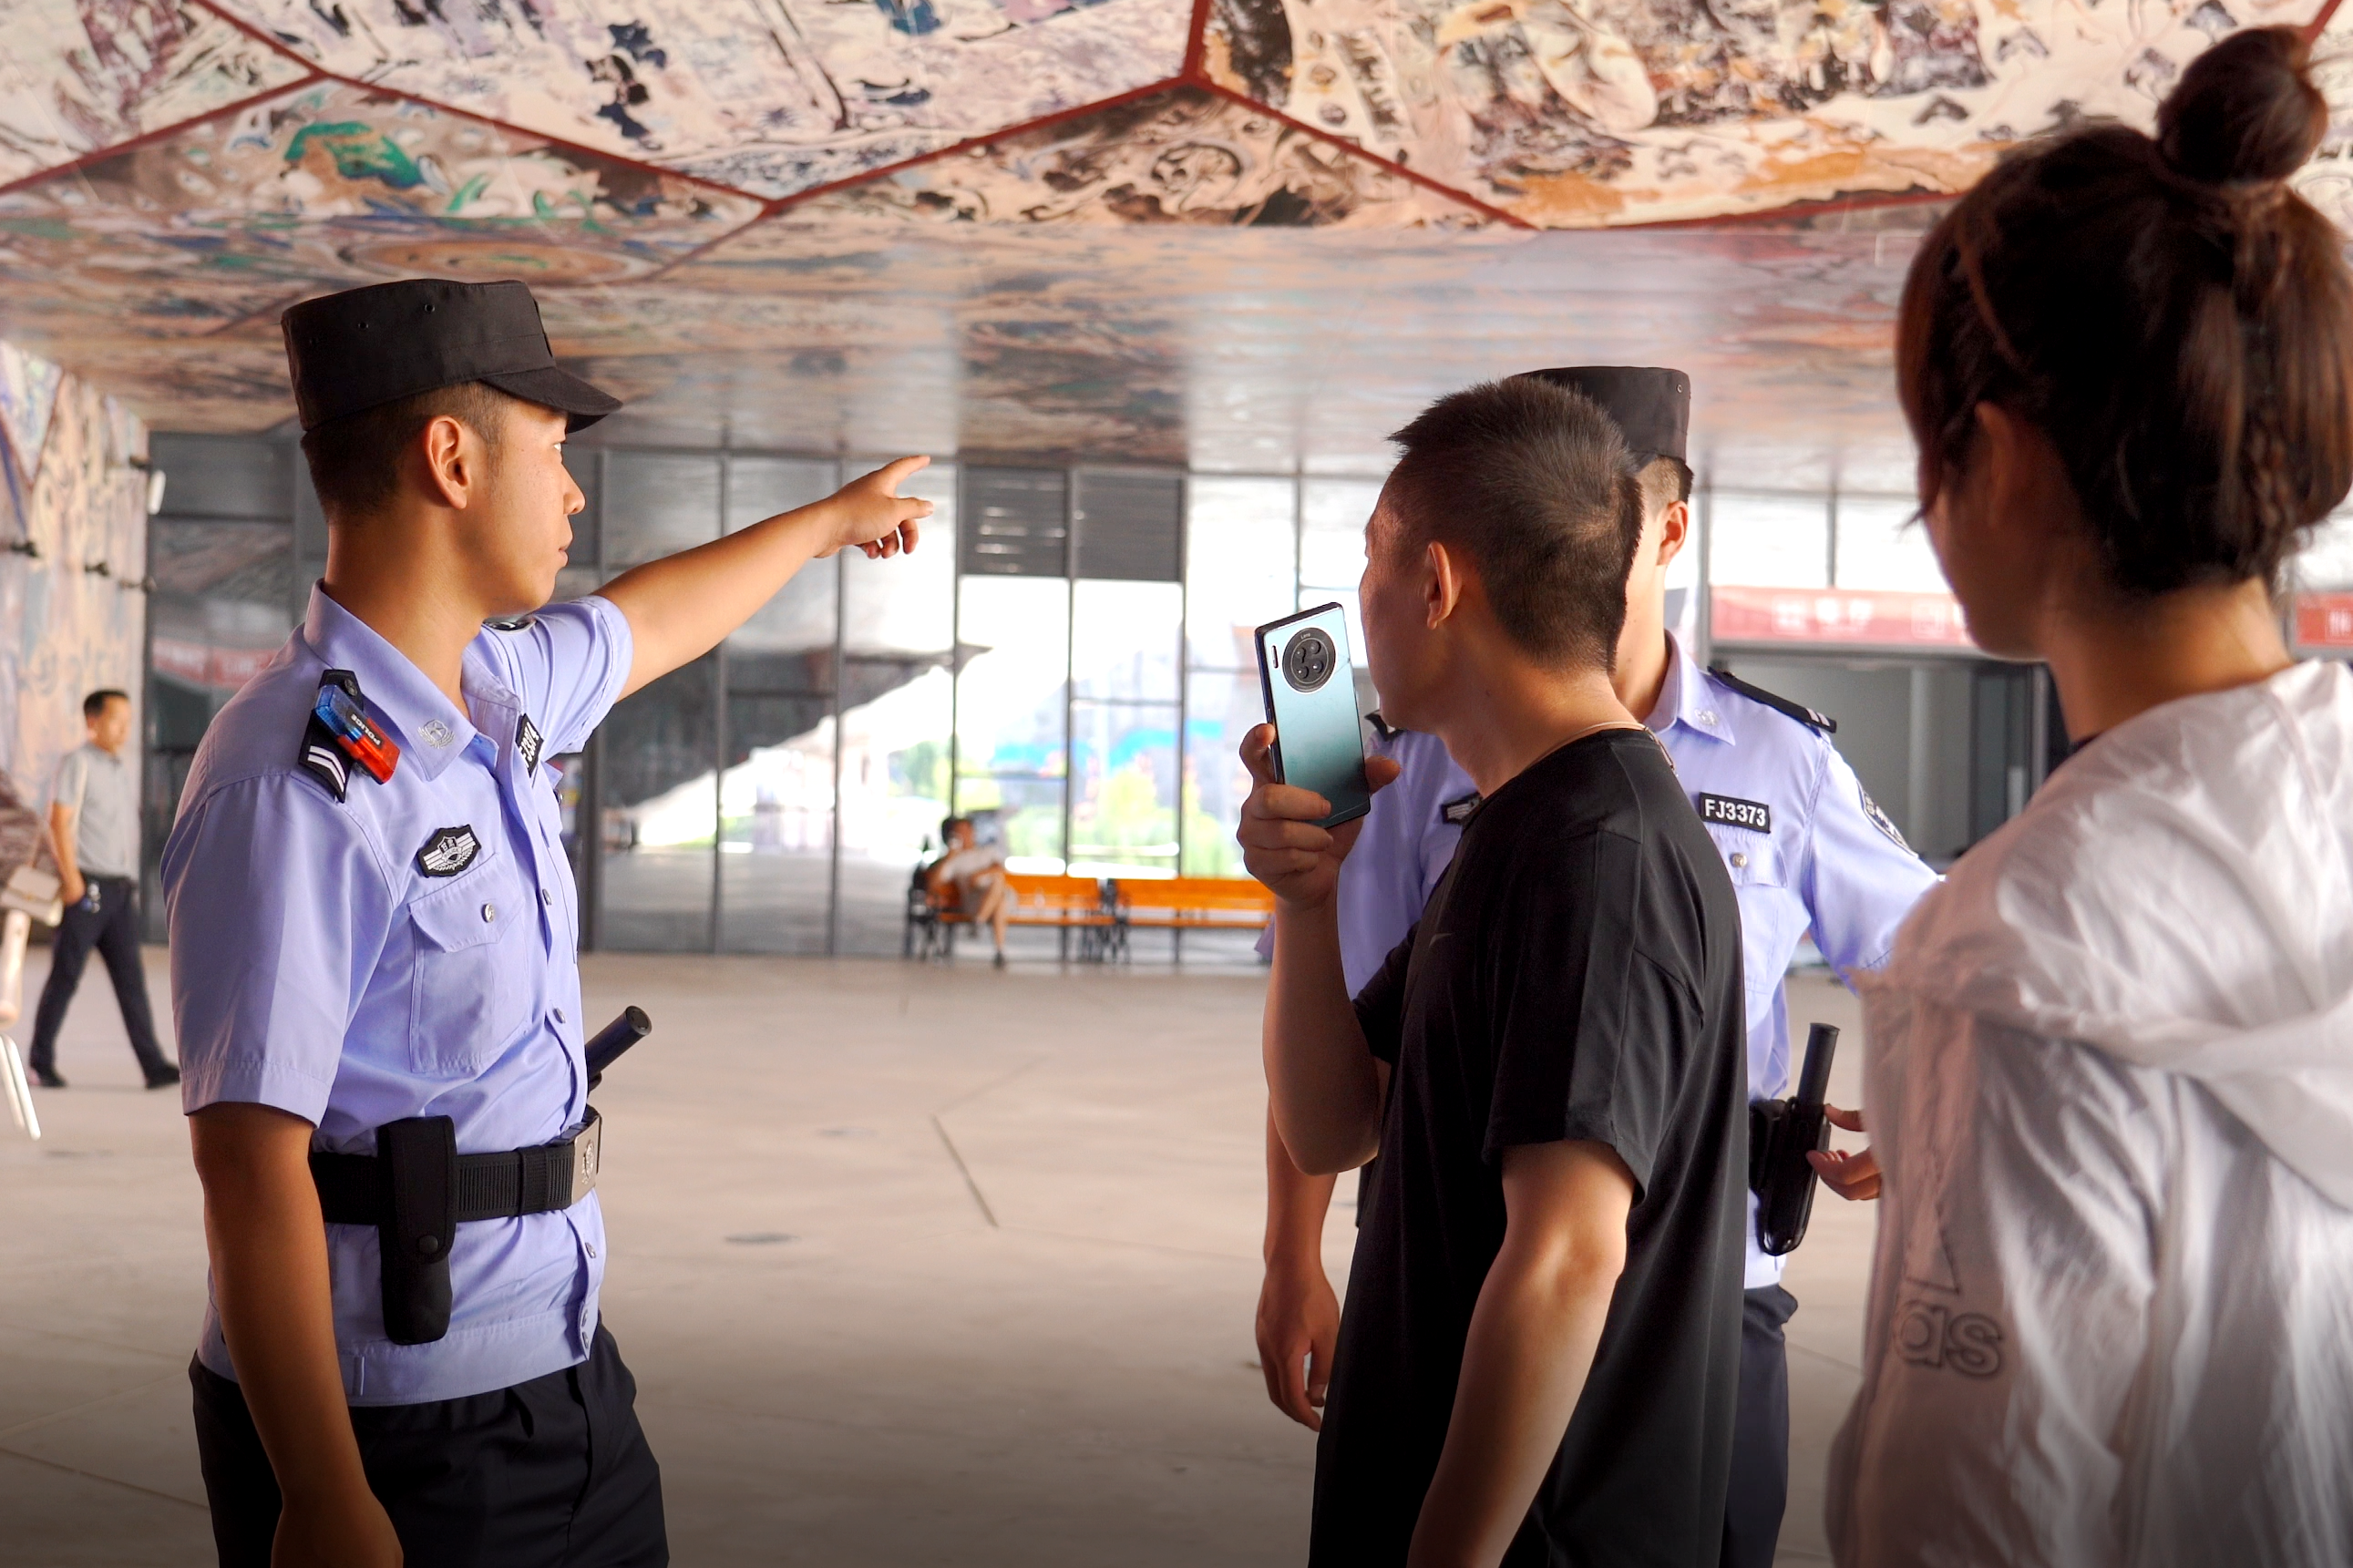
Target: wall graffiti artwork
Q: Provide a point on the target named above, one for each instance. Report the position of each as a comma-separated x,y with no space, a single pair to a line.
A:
73,522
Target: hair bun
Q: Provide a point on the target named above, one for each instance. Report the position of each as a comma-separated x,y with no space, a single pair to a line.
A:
2245,111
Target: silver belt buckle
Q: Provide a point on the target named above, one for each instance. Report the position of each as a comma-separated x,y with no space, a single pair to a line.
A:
587,1156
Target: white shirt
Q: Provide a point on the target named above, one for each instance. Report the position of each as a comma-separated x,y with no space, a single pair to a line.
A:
96,785
2111,1086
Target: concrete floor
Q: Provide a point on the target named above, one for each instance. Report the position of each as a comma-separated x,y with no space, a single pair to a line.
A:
914,1265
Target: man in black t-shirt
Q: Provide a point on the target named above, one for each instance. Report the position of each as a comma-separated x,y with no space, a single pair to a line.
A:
1538,1362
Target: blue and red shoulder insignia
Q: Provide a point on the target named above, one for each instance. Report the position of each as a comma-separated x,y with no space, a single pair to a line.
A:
340,733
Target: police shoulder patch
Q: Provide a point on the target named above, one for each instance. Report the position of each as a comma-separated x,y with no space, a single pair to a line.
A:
1880,819
1458,811
1730,811
528,740
1779,704
324,760
449,851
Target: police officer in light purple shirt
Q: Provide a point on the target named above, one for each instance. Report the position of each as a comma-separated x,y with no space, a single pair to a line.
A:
374,964
1805,846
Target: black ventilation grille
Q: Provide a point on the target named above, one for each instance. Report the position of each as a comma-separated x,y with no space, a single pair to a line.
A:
1131,524
1016,523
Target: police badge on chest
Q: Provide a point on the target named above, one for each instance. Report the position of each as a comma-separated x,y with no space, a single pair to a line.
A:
449,851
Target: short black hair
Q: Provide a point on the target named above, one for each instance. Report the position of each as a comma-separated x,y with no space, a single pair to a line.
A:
355,460
94,705
1665,481
1533,482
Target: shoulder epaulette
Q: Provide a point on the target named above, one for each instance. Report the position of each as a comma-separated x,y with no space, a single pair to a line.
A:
508,623
1779,704
321,757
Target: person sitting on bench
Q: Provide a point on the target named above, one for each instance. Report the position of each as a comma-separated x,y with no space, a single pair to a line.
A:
977,872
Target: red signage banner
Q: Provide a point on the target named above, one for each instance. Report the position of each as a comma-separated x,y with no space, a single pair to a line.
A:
200,663
1839,616
2324,620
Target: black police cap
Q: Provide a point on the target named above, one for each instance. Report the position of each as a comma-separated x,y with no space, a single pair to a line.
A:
366,347
1652,406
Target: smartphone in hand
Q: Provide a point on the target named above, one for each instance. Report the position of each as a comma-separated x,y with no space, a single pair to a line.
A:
1311,701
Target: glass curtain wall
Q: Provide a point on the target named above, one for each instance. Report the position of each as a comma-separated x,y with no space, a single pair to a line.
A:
771,797
1067,658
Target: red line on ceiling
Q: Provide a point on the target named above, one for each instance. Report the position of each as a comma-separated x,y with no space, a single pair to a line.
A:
2314,28
381,90
145,137
1042,123
1354,151
1197,43
785,204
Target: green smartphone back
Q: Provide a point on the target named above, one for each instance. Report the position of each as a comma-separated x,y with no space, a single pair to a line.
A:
1304,674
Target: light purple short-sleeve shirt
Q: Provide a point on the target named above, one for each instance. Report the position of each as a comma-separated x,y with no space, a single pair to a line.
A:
324,964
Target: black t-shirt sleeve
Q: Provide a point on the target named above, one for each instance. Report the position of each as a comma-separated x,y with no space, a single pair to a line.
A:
1588,1028
1380,1006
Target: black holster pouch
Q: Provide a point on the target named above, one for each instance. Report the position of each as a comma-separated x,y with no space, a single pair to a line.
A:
419,1155
1781,1133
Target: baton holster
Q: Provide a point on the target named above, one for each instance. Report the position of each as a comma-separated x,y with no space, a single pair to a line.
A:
417,1224
1781,1133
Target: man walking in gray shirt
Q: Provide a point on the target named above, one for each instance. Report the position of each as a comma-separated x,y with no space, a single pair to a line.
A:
94,824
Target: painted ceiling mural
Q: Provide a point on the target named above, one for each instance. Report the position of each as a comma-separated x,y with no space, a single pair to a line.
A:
1256,234
1569,113
77,78
2328,181
771,97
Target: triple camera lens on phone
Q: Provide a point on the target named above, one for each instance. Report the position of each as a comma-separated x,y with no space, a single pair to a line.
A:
1309,659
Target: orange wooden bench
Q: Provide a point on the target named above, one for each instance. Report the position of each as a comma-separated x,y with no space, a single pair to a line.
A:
1180,904
1061,903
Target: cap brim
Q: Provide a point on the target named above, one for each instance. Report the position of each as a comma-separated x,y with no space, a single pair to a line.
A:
555,387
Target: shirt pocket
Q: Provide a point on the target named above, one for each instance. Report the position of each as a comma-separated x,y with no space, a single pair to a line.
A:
472,983
1750,859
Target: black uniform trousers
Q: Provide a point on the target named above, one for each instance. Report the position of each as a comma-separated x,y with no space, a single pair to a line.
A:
113,928
553,1473
1759,1493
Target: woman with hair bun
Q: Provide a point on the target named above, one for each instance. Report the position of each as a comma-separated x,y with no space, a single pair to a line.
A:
2111,1315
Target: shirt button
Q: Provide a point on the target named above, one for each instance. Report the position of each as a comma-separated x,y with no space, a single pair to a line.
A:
1738,859
1707,715
547,895
592,1249
490,913
559,1014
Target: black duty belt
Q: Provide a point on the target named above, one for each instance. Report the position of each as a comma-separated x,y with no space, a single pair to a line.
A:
417,1190
356,1189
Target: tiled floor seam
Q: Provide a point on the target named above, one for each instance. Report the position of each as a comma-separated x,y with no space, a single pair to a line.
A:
70,1411
94,1475
678,1407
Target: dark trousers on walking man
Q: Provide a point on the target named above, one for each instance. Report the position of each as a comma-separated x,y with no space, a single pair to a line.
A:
107,919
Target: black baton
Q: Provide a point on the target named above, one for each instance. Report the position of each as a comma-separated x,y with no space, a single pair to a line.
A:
614,1038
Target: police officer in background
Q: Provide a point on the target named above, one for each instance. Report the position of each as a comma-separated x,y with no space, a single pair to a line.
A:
1805,846
374,964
